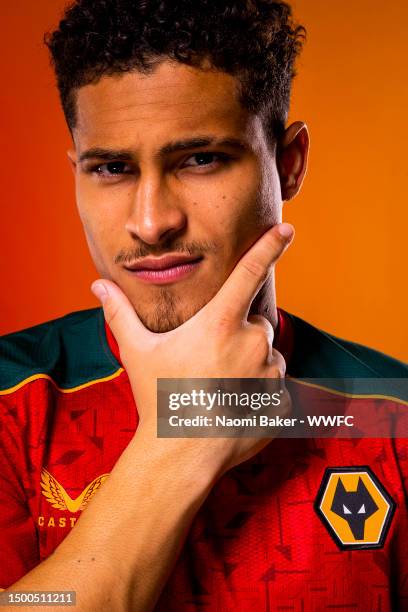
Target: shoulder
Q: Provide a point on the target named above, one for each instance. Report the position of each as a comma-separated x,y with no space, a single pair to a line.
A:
319,354
70,350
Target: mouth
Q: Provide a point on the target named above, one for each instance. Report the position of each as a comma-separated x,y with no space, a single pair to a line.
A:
164,270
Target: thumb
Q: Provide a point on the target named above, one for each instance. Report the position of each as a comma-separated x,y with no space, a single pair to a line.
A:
119,312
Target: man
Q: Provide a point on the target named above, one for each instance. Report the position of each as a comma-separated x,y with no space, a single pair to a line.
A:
182,162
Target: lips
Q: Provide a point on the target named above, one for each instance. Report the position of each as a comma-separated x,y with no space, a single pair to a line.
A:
164,270
162,263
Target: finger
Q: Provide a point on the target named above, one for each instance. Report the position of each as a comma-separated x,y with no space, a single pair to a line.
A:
277,371
263,323
277,367
235,297
119,313
268,333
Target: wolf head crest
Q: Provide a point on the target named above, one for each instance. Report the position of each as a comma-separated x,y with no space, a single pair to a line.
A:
354,507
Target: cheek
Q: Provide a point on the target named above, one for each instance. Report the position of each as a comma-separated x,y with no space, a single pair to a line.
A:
99,227
98,247
226,221
270,198
238,213
240,209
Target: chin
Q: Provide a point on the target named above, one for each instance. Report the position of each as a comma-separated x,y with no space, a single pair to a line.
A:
161,324
167,312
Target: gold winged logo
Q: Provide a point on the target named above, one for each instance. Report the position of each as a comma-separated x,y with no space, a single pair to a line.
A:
56,495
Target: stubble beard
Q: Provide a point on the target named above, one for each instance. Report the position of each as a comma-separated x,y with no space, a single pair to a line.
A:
168,311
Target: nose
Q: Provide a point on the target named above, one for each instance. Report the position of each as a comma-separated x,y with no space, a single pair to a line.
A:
156,213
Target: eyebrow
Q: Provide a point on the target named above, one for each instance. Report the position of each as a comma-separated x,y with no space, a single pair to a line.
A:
200,141
171,147
106,154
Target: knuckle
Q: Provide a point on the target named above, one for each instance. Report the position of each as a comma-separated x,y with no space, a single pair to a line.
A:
270,241
275,245
255,269
278,364
262,335
260,340
257,319
263,323
259,334
280,370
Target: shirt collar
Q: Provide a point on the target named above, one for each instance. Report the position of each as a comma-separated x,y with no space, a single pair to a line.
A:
283,340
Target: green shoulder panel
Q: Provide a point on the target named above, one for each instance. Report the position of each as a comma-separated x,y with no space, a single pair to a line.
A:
318,354
72,350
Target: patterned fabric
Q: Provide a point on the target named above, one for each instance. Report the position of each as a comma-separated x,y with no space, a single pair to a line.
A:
257,543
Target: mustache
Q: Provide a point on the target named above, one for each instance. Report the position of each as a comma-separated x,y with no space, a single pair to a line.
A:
193,249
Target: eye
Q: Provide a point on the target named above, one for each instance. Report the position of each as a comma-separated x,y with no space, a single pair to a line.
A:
346,510
112,169
205,160
362,510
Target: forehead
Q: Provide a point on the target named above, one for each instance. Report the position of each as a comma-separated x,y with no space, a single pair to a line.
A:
173,101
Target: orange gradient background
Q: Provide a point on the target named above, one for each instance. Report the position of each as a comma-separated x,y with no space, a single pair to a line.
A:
345,272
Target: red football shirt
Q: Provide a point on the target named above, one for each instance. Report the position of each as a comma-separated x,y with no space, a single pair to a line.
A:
258,542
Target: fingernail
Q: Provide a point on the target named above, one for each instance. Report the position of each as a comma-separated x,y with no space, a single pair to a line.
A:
285,230
101,291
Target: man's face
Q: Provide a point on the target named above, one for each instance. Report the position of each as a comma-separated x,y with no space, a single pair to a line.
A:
171,164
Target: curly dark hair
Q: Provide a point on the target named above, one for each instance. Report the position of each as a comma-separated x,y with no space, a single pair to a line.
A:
255,41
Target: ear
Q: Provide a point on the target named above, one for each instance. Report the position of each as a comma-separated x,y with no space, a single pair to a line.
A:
291,158
71,154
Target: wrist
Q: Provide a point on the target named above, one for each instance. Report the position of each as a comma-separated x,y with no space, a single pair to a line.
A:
180,462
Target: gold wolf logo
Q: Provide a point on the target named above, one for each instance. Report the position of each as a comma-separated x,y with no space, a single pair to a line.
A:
56,495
